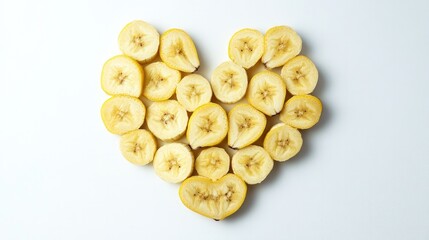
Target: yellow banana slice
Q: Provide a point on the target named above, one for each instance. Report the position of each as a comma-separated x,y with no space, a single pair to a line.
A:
138,146
246,125
282,142
300,75
167,120
302,111
122,75
207,126
212,163
267,92
216,200
193,91
281,43
229,82
246,47
139,40
252,164
173,162
178,51
160,81
122,114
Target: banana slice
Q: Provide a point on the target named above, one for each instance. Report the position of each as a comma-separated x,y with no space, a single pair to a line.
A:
246,125
282,142
160,82
178,51
216,200
229,82
246,47
300,75
138,146
173,162
212,163
267,92
122,114
252,164
193,91
302,111
122,75
207,126
167,120
139,40
281,43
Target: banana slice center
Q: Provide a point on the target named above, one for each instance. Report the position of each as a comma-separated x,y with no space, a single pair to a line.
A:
201,195
252,164
121,114
167,118
229,193
157,80
120,77
214,161
137,40
206,125
193,91
266,92
283,143
177,49
229,80
299,76
302,112
137,148
247,47
173,163
283,45
248,123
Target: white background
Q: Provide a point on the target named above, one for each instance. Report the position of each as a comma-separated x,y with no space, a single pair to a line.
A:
363,172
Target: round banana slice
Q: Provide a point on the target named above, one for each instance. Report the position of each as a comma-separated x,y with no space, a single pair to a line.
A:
229,82
300,75
139,40
160,81
138,146
122,114
281,43
207,126
167,120
212,163
282,142
178,51
246,47
302,111
252,164
267,92
193,91
173,162
246,125
122,75
216,200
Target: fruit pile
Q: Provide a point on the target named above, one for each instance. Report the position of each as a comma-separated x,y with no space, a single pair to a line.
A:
174,93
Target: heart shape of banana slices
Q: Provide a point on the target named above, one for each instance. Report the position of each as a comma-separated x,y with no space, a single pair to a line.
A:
186,130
